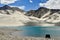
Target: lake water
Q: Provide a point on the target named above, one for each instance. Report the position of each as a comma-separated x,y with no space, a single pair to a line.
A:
38,31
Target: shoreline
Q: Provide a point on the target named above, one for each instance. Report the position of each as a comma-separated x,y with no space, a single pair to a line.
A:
27,26
5,34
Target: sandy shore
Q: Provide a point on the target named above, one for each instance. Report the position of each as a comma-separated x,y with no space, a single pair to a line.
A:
6,34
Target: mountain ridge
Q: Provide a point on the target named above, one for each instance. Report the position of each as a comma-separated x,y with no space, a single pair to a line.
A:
49,16
41,11
12,16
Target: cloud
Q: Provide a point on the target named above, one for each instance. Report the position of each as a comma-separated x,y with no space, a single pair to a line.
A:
31,1
41,4
51,4
6,2
21,7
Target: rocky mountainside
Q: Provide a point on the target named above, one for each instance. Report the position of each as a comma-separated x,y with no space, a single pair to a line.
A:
49,15
37,13
45,15
42,11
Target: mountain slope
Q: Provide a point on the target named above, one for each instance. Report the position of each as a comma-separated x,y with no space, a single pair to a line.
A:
45,15
12,16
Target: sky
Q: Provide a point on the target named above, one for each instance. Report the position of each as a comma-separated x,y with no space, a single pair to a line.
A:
23,4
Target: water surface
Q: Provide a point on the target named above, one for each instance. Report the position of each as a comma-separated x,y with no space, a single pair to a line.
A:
38,31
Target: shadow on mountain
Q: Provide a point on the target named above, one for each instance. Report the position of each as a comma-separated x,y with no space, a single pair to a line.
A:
57,24
31,24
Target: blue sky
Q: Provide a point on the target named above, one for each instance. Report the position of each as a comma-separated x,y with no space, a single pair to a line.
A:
28,4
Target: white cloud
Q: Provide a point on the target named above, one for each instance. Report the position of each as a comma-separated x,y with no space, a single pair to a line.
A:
41,4
51,4
21,7
7,1
31,1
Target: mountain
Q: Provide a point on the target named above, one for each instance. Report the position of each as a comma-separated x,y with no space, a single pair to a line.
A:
37,13
12,16
41,11
7,9
45,15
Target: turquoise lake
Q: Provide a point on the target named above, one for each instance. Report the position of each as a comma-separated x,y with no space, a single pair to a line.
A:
38,31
